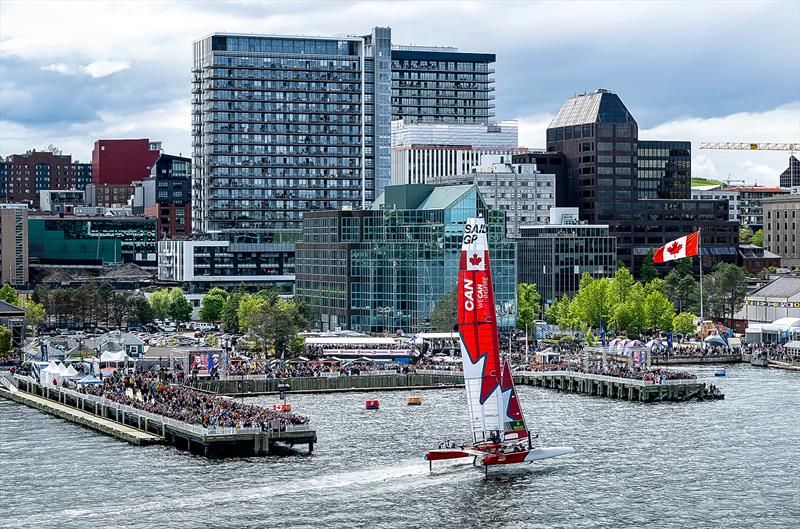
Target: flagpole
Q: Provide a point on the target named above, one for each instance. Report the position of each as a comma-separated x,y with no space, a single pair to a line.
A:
700,255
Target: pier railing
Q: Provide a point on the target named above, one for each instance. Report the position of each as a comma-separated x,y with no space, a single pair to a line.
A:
275,425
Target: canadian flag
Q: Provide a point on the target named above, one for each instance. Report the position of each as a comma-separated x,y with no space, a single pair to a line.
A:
685,246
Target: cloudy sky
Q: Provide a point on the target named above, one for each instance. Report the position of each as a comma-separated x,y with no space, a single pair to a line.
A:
73,72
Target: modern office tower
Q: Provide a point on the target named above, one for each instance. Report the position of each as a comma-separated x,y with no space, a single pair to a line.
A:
14,244
664,169
520,190
715,192
791,176
286,124
782,227
22,176
388,268
440,84
556,255
426,152
751,203
599,138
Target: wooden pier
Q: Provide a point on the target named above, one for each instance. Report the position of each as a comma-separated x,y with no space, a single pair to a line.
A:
140,427
613,387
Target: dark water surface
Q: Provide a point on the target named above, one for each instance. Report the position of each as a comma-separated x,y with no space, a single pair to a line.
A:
727,464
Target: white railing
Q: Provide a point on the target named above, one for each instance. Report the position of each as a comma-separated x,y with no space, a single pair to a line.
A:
606,378
439,372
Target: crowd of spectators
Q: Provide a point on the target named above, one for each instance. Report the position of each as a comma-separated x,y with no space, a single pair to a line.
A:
152,393
654,374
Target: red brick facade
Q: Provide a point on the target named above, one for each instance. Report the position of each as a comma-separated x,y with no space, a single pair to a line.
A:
22,176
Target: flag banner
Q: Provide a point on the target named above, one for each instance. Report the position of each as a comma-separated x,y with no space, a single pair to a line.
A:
686,246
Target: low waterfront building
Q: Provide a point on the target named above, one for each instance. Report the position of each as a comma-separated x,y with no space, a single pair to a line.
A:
556,255
780,298
519,189
222,261
388,268
14,244
91,240
782,227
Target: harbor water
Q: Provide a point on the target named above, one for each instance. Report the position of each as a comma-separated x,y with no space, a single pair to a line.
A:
733,463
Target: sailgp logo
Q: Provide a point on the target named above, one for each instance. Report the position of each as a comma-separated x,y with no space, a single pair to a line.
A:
471,232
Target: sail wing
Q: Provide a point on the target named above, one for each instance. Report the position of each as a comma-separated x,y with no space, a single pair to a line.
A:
513,420
477,324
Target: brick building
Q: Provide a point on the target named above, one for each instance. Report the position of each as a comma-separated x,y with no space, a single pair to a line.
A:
116,164
22,176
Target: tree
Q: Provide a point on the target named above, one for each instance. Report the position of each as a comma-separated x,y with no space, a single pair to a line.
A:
730,285
139,310
105,298
5,341
159,301
179,308
274,324
683,323
758,238
211,305
565,318
34,314
745,235
551,312
528,305
297,345
658,311
250,306
118,309
593,301
629,316
9,295
230,312
648,270
445,314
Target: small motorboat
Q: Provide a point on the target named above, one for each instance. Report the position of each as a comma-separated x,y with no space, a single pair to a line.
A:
414,400
372,405
720,372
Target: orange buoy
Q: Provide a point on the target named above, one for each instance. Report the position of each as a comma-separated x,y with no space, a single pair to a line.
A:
373,405
414,400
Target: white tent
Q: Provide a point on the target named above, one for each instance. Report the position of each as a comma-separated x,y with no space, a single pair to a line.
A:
118,356
70,372
48,373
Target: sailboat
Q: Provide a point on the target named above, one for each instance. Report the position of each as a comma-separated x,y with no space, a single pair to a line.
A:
499,433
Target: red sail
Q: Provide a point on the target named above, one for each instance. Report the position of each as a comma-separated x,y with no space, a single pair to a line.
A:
480,348
514,422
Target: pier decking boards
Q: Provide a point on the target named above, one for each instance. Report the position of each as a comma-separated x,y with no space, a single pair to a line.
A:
142,428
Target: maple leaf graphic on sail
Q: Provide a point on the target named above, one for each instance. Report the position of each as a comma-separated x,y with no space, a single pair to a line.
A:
475,260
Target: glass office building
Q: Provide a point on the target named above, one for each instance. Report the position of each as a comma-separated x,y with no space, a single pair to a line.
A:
664,169
285,124
387,268
555,256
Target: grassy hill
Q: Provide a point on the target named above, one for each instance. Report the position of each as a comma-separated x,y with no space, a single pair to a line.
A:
705,182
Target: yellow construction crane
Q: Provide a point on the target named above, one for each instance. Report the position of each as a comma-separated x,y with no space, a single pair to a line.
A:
727,146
